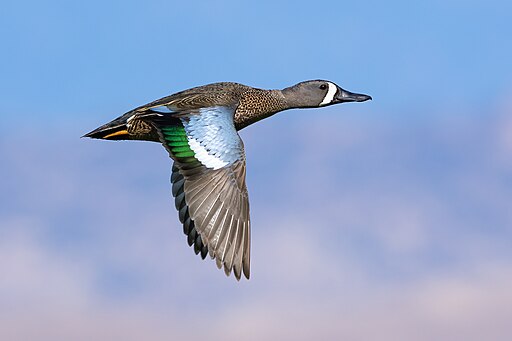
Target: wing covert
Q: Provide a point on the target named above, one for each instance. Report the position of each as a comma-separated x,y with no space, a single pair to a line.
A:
209,187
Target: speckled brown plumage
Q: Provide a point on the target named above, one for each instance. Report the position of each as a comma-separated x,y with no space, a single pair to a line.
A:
198,127
256,104
251,105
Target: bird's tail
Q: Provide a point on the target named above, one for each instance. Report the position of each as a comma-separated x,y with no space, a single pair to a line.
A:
113,130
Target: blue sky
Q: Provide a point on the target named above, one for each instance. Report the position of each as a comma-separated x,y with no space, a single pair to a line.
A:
401,202
76,55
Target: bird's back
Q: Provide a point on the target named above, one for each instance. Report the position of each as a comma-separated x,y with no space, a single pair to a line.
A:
225,94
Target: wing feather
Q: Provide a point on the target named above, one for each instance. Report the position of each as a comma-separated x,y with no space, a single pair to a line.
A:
208,183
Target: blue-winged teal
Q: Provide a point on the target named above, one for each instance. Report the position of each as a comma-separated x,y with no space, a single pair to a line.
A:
198,127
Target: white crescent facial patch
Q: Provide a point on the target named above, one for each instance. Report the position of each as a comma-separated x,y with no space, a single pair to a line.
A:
329,97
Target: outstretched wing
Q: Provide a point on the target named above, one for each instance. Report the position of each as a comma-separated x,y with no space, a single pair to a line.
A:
209,184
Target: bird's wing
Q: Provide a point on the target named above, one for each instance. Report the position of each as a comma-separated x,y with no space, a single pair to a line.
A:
208,183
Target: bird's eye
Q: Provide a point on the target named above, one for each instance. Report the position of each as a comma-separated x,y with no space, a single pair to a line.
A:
323,86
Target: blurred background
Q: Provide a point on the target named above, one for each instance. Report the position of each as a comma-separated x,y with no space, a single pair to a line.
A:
383,220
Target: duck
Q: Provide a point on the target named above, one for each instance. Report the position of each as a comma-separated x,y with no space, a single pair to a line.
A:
199,129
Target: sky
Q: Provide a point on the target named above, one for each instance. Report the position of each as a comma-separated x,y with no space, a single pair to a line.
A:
387,220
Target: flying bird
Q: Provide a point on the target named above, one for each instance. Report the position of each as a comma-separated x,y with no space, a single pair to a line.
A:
198,127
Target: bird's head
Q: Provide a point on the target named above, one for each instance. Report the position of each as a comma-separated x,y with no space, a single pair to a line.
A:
319,93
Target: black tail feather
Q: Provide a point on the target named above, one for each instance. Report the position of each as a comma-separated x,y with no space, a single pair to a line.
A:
108,131
117,129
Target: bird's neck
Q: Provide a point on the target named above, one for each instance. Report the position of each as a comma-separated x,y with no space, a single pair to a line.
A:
258,104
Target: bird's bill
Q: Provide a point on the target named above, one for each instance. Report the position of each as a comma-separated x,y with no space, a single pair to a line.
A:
347,96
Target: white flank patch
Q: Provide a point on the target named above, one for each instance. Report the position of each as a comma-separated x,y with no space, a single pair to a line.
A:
329,97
